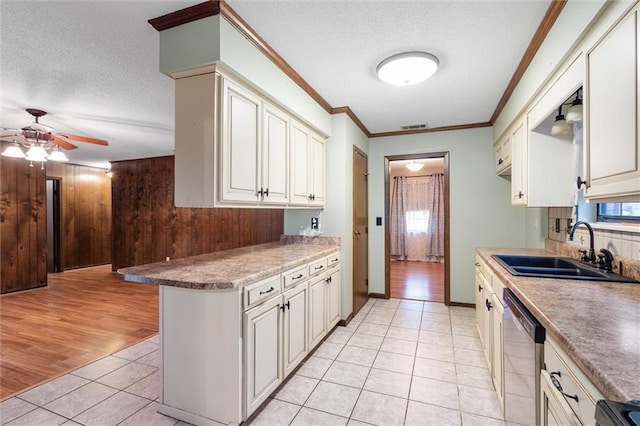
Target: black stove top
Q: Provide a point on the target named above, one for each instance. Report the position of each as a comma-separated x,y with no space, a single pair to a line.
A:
611,413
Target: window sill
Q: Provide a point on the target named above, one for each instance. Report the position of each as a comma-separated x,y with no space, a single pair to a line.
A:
631,228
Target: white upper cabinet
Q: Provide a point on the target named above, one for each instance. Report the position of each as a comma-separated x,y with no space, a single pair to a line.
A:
236,149
307,166
612,154
519,163
503,155
274,188
241,158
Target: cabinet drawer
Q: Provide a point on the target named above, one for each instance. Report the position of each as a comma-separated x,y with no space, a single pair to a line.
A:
261,291
333,260
295,276
561,374
317,266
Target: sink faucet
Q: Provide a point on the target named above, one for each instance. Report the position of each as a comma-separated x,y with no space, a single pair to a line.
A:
591,256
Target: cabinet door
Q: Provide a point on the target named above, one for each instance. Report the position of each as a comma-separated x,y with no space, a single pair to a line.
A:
612,115
317,170
317,306
295,321
503,154
497,351
333,298
240,148
262,338
299,164
487,324
275,148
554,410
519,165
480,308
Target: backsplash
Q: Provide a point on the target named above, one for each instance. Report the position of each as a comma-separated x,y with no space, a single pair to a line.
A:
625,246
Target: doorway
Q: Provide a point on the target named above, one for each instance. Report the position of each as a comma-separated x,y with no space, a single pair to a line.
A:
360,231
53,226
417,227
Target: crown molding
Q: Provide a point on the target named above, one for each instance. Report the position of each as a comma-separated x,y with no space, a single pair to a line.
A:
433,130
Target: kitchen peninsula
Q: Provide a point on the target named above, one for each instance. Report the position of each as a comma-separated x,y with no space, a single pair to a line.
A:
234,324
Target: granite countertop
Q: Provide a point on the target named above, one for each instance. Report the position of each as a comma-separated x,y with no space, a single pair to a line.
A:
596,323
233,268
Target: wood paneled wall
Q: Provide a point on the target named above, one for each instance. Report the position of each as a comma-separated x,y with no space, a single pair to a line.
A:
147,227
85,217
23,240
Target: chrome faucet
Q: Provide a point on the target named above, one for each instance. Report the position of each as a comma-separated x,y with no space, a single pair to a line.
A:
591,256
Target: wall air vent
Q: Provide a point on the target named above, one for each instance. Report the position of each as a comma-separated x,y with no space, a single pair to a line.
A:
415,126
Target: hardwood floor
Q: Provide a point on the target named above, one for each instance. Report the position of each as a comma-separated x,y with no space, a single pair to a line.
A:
417,280
83,315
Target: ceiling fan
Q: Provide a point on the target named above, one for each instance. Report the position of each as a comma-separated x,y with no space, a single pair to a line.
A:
39,139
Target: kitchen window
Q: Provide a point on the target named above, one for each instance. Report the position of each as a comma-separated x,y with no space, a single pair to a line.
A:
417,220
619,212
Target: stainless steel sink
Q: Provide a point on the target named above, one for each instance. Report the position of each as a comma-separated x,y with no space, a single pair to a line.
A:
556,267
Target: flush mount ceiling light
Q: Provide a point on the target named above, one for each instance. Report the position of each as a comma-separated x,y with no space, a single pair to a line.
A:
560,126
413,166
407,68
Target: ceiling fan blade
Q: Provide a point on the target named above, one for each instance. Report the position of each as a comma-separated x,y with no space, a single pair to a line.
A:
77,138
62,143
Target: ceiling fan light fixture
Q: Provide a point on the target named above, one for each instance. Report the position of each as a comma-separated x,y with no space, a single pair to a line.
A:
414,167
405,69
13,151
57,155
36,153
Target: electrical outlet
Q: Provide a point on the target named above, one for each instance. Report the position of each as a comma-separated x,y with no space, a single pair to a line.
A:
314,223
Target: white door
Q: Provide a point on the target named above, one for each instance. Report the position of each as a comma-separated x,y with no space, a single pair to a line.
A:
262,349
497,348
275,147
299,164
519,165
480,285
333,298
240,159
317,324
554,410
295,341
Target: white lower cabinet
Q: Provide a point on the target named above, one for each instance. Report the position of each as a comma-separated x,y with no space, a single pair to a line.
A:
262,331
567,396
317,304
489,311
224,352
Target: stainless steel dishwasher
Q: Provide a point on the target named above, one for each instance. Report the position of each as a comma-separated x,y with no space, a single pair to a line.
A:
523,359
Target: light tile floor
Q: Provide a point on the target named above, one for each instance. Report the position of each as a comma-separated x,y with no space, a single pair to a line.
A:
397,362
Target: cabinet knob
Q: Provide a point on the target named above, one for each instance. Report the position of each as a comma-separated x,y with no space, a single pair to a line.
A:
266,192
500,161
580,182
488,304
520,194
480,287
260,192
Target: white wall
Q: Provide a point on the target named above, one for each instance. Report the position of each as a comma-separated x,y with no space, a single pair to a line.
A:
336,219
480,211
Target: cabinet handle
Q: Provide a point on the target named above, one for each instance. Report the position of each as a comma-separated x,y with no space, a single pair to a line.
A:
558,386
520,194
477,264
266,192
288,306
480,287
319,267
282,307
500,161
260,192
336,259
312,197
267,291
328,280
488,304
580,182
297,278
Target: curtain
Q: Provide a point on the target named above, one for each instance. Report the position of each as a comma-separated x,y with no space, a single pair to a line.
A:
398,218
435,205
417,218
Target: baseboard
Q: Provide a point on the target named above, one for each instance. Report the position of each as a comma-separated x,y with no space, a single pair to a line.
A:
378,295
345,322
463,305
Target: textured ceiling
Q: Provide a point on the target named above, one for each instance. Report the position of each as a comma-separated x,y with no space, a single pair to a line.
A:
93,65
